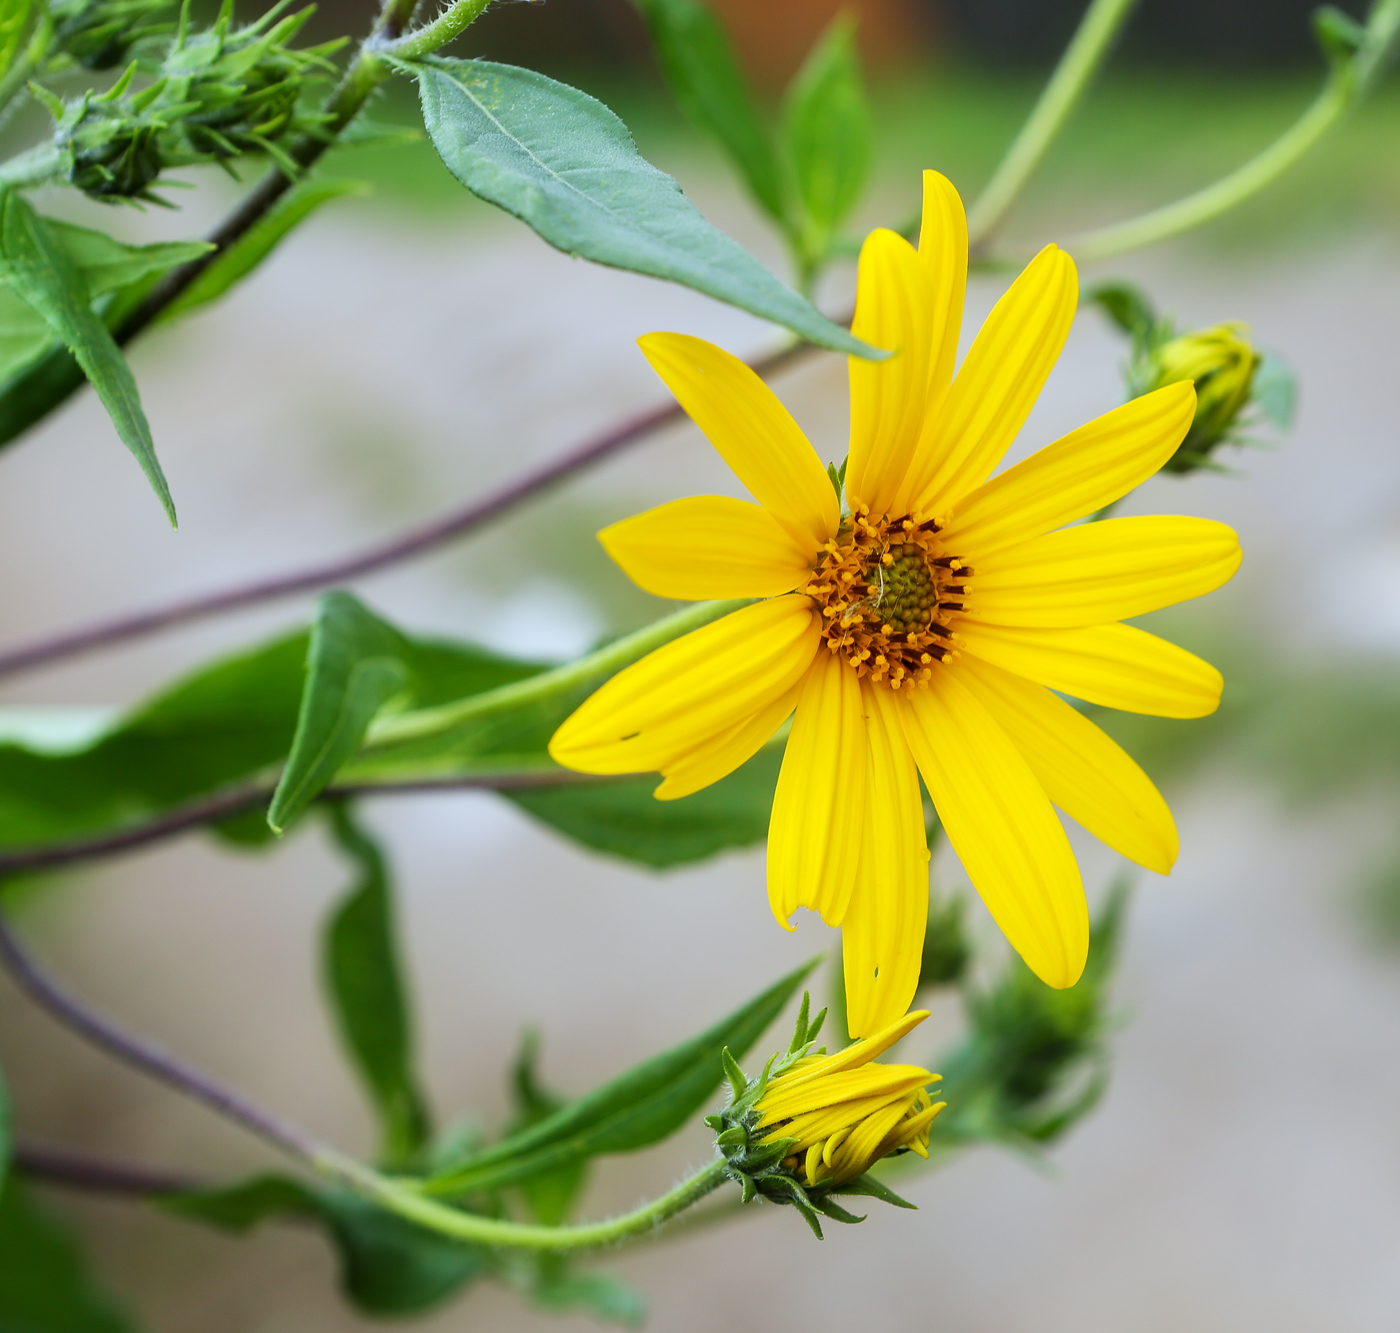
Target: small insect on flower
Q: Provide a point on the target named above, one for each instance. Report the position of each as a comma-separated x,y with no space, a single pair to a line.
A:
812,1124
926,629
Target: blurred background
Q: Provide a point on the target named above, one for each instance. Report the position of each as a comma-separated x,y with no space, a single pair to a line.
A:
407,350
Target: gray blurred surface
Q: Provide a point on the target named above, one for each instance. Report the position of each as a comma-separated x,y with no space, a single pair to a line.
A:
1243,1172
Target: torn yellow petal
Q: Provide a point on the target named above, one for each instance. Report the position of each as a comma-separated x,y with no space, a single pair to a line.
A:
819,804
675,699
707,547
1075,476
882,937
894,309
753,432
1083,772
1114,665
1100,572
722,754
999,820
997,384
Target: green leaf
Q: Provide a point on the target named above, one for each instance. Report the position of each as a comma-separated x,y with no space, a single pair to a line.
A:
624,819
699,63
355,664
368,996
44,1284
245,254
563,163
1127,305
828,132
550,1198
604,1298
388,1266
37,266
641,1107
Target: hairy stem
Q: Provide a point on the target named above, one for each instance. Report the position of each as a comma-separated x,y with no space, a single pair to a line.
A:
1346,85
402,1198
35,982
1091,43
447,27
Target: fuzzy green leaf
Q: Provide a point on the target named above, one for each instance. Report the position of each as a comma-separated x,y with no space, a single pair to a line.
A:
828,132
699,63
641,1107
259,241
387,1266
363,977
36,266
44,1284
564,164
355,664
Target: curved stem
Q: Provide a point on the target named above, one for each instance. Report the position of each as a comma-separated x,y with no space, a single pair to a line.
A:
31,978
1344,88
100,1175
1101,24
408,1203
223,804
403,546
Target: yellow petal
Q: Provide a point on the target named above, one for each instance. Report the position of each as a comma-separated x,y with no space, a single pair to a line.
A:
894,309
753,432
707,547
882,937
1083,772
814,836
1075,476
1114,665
1099,572
721,755
686,692
996,386
943,251
1000,823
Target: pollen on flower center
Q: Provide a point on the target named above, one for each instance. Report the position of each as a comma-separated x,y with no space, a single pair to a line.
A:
886,588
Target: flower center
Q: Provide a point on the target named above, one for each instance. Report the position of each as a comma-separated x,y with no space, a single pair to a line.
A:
886,589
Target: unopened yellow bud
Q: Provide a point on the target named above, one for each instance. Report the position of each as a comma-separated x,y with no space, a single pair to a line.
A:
1222,363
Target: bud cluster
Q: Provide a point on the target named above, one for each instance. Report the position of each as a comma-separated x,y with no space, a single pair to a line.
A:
811,1125
215,94
101,34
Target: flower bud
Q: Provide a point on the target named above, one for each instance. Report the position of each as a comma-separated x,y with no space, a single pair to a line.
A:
114,158
811,1125
1222,363
101,34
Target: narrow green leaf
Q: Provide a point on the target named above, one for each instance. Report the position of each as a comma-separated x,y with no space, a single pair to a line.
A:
14,17
636,1109
828,132
45,1286
699,63
107,265
876,1189
355,663
622,818
368,997
564,164
387,1266
1127,305
37,266
245,254
550,1198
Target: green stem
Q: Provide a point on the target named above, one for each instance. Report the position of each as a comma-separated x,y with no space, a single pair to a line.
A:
1344,88
448,26
403,1199
1101,24
435,722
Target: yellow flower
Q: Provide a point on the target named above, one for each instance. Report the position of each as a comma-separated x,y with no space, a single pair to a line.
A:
924,632
845,1112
